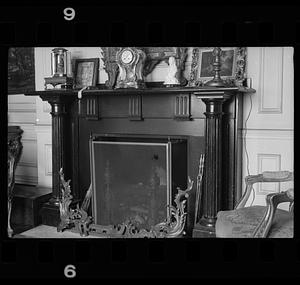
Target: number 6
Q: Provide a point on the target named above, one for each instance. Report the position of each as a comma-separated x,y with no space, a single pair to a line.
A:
69,14
70,271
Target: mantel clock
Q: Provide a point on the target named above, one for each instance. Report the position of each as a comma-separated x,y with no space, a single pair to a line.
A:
130,61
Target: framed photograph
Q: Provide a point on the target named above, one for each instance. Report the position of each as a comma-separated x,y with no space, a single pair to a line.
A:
21,72
233,60
86,72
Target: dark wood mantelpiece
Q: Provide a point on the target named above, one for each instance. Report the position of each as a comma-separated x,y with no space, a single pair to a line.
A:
133,91
155,111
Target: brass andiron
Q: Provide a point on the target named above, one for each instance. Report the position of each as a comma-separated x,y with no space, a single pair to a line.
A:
78,218
217,81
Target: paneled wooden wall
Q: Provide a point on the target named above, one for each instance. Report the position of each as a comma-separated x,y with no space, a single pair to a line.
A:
269,131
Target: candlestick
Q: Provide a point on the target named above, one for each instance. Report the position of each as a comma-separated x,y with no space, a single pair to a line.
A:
217,81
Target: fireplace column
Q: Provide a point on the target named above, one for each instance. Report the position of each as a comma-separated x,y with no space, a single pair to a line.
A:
50,210
212,180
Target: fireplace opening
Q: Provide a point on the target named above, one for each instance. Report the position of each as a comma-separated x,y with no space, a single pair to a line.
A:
136,178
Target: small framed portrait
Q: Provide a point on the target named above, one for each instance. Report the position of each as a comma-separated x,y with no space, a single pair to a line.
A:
86,72
233,61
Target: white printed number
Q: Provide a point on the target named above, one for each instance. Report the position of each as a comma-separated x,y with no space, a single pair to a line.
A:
70,271
69,14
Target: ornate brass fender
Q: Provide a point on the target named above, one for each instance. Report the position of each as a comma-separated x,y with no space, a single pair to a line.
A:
172,227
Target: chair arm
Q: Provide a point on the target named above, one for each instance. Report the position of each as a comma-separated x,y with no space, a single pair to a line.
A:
270,176
266,176
272,201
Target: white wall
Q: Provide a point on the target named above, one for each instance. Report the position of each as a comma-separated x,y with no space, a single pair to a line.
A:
269,131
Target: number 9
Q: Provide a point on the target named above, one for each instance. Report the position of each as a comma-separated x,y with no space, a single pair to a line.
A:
69,14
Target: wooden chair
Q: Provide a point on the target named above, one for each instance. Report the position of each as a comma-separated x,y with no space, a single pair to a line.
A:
259,221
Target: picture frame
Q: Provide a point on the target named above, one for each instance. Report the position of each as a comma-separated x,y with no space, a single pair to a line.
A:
233,66
21,70
86,72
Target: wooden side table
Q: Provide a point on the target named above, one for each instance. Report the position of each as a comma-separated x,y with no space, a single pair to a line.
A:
14,147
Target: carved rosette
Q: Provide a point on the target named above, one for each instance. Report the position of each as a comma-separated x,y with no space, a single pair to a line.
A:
172,227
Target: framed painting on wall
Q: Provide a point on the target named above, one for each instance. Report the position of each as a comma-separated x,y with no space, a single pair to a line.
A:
233,61
21,73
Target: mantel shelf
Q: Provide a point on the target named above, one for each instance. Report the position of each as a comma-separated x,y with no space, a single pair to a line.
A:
147,91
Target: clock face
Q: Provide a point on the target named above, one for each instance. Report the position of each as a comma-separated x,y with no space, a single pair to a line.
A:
126,56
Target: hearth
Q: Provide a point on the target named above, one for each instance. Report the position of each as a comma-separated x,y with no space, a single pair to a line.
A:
135,178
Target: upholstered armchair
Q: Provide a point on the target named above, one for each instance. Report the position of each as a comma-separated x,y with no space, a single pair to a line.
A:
259,221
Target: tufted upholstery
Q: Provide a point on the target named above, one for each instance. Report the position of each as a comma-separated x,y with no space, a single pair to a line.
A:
241,223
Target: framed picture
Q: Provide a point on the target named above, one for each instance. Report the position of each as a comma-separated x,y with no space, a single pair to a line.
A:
21,74
233,63
86,72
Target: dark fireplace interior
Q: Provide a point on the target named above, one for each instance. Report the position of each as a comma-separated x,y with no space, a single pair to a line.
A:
136,178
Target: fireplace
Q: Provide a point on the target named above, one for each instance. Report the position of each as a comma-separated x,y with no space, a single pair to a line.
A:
135,178
206,120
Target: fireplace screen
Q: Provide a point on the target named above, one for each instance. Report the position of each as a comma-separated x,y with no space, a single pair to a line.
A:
132,181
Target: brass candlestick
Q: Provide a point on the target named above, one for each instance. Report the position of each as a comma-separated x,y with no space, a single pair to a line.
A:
217,81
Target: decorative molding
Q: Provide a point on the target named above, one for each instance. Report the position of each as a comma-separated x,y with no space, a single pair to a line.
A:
277,91
11,109
28,164
91,109
18,118
30,140
268,134
46,107
135,108
182,109
273,162
26,179
20,99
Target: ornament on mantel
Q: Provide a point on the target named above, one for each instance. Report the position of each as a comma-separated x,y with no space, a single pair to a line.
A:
59,69
217,81
171,79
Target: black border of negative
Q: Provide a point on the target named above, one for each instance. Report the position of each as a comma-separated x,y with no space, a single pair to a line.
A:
164,25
